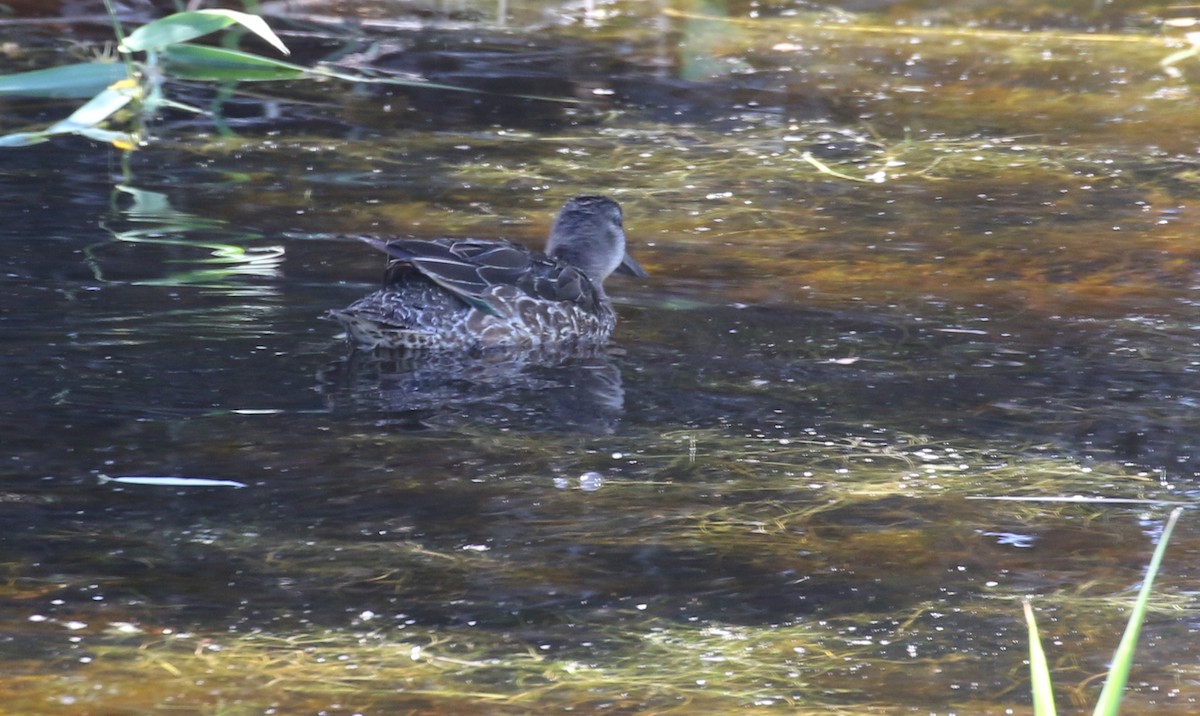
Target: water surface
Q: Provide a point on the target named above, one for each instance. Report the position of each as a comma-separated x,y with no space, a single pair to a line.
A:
899,258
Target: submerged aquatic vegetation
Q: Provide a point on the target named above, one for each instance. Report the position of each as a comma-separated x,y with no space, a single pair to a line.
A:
1109,701
826,559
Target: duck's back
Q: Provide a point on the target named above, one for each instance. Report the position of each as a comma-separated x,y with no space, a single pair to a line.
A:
464,294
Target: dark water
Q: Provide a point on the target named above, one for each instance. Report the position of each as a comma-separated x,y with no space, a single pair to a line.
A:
757,497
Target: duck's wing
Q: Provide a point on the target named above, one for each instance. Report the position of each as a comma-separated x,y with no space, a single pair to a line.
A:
469,269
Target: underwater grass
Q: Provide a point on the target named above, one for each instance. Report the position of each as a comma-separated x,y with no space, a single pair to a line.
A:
873,509
1109,701
669,668
751,211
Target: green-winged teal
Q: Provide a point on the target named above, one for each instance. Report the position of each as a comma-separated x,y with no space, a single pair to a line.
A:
466,294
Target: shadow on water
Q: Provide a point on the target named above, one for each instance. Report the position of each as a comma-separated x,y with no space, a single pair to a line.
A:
542,391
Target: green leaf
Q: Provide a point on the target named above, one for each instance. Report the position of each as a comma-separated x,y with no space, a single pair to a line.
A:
23,139
199,62
184,26
98,108
86,120
69,81
1109,702
1039,671
121,140
258,26
172,30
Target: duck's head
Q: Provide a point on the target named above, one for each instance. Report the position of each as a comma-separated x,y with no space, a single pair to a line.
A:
589,233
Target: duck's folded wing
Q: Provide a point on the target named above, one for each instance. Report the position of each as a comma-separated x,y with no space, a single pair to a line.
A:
466,268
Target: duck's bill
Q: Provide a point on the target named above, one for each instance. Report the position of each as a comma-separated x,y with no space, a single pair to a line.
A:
629,267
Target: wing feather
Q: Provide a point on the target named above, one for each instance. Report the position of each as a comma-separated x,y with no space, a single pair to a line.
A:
469,268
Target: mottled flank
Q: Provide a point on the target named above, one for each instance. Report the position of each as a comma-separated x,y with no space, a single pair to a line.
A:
466,294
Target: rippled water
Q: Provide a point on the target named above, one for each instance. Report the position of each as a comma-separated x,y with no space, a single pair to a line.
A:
897,262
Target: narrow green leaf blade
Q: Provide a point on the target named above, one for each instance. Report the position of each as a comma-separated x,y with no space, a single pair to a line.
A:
254,24
23,139
97,109
173,29
1118,674
185,26
218,64
67,82
1039,671
120,140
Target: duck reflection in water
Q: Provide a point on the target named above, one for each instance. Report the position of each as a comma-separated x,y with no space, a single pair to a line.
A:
481,321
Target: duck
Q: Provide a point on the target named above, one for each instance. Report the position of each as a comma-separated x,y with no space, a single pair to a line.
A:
472,295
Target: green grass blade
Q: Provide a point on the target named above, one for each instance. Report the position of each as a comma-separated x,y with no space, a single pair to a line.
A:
67,82
87,119
121,140
23,139
98,108
218,64
184,26
1118,673
255,24
172,30
1039,671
